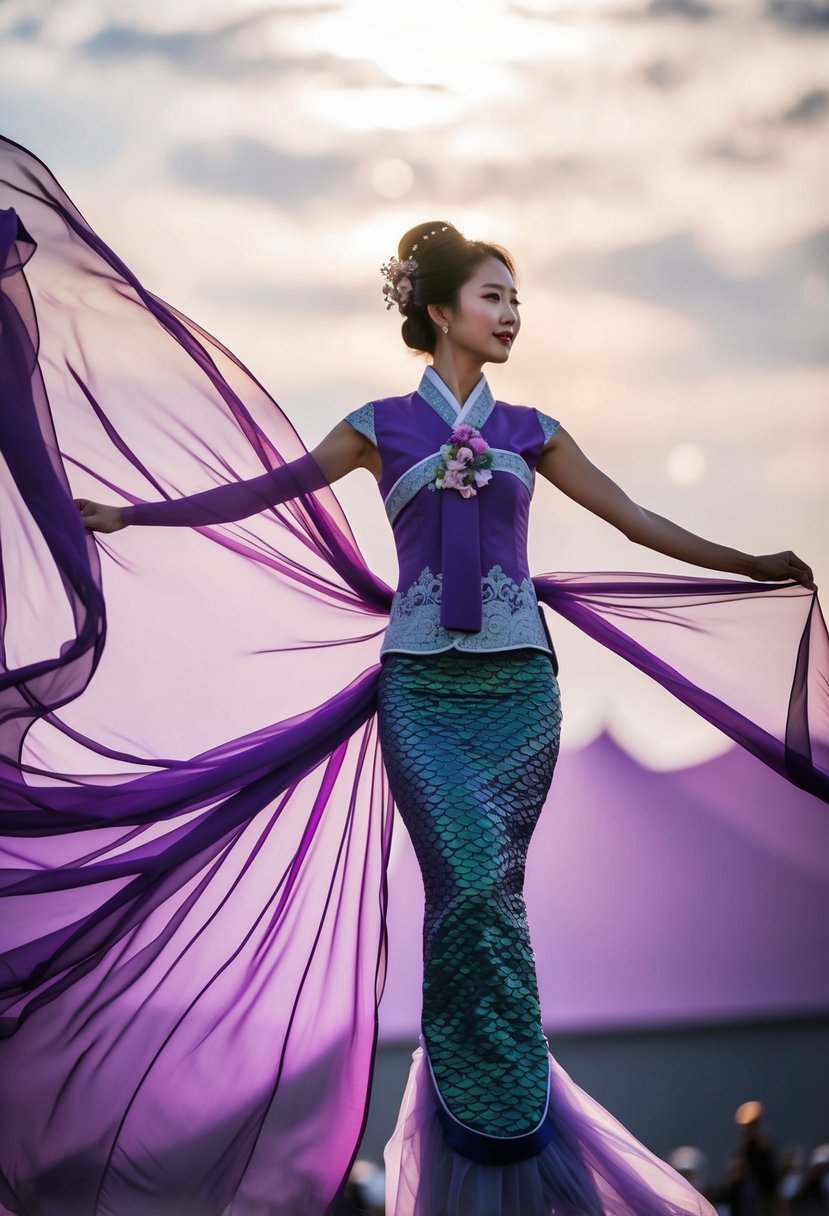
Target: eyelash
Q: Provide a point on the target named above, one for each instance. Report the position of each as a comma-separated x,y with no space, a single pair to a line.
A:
494,296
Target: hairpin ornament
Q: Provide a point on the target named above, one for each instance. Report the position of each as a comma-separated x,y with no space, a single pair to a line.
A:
426,235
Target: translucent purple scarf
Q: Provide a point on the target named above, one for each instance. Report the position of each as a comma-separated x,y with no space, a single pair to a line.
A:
194,819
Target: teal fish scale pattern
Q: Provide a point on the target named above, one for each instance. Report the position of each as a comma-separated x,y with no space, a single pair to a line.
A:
470,743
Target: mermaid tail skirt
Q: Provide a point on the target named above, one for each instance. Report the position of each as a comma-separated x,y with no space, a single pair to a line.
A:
490,1124
470,744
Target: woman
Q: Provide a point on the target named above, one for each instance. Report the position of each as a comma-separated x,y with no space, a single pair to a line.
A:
468,715
469,709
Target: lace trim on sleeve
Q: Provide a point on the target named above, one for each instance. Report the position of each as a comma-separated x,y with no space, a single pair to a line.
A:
363,421
548,425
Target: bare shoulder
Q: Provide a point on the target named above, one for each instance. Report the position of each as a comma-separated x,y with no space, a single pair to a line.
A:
562,459
344,449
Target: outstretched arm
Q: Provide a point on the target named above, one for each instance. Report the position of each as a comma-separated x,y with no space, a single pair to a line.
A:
341,451
566,466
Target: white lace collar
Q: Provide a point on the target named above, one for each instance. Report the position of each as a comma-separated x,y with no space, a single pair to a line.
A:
460,410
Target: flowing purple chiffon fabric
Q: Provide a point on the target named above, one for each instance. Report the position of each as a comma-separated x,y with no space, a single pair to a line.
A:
194,817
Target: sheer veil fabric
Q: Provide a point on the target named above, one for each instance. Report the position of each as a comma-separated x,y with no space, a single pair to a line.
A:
194,816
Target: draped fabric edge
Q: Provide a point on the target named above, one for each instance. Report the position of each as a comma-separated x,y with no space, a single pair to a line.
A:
596,605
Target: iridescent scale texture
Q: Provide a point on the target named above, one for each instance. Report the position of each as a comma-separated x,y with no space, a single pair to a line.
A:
470,744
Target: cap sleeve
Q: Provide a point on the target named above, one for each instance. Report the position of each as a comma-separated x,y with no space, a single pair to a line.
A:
548,425
363,421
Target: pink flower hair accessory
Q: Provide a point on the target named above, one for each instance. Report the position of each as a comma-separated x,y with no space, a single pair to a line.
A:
465,462
398,286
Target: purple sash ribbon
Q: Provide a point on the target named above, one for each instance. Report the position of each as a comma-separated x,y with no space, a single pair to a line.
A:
461,563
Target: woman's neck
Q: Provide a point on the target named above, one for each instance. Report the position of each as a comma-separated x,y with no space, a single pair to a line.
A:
459,375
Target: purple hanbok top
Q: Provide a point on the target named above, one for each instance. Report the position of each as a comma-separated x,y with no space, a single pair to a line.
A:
448,546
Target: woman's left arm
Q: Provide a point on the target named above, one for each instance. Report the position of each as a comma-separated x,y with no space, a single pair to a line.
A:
566,466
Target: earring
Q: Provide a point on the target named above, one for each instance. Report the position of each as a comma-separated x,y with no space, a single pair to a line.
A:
446,329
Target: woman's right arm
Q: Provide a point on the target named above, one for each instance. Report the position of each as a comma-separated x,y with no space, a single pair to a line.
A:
342,450
566,466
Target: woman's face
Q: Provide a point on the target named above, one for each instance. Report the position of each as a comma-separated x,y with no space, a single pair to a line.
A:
486,321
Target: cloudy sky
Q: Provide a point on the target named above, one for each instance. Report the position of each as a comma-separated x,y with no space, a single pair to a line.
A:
659,170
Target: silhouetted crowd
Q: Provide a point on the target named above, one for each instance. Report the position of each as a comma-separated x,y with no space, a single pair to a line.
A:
762,1181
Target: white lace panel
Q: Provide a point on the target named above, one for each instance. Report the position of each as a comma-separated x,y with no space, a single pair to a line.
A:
510,617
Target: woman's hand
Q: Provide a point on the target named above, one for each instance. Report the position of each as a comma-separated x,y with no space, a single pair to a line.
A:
97,517
774,567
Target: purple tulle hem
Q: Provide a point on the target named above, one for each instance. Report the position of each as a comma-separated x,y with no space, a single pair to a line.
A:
593,1166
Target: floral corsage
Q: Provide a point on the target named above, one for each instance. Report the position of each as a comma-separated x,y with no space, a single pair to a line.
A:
465,463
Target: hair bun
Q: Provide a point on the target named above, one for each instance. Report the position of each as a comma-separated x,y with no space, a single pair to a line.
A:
438,232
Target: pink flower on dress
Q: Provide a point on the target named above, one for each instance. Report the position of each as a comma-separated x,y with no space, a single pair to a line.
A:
464,463
452,479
